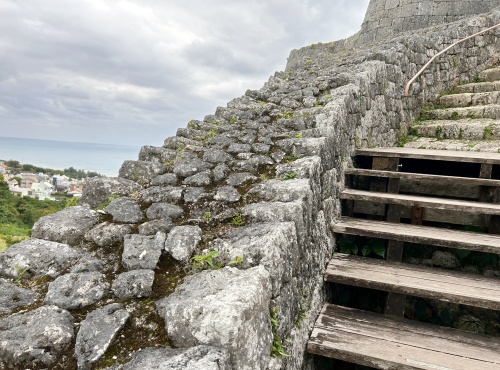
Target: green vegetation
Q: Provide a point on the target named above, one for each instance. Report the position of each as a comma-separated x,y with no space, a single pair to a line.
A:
17,215
111,198
238,220
277,350
373,247
288,176
17,167
209,261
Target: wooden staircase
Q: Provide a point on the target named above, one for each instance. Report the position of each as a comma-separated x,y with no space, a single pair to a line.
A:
409,197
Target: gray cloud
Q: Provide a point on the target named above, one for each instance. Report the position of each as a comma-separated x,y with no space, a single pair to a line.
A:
132,72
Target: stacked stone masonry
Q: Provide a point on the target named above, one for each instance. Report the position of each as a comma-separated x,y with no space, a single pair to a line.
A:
257,183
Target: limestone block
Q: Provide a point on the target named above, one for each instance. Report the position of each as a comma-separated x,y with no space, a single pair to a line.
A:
96,333
77,290
142,252
97,190
35,338
182,241
106,234
125,210
141,171
226,308
200,357
12,296
272,245
37,258
67,226
164,211
134,284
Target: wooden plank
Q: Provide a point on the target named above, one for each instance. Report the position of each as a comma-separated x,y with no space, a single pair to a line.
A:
421,201
378,341
409,176
433,154
489,243
449,238
420,281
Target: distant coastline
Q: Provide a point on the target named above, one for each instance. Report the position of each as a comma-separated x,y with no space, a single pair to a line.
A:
105,159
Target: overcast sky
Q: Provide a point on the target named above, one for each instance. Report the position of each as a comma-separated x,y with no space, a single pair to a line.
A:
132,72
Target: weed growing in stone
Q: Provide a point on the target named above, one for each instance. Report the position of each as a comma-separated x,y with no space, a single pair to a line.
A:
288,176
237,220
277,350
207,216
206,261
298,136
108,201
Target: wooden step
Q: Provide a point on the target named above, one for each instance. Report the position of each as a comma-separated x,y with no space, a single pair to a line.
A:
419,281
421,201
409,176
378,341
429,154
488,243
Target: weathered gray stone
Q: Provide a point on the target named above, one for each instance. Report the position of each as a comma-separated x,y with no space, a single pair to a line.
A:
196,358
77,290
186,167
237,148
227,194
272,245
182,241
195,194
35,338
225,308
106,234
216,156
141,171
220,172
134,284
12,296
98,190
38,257
241,178
157,194
156,154
164,211
261,148
67,226
89,265
141,252
125,210
152,227
200,179
97,332
445,259
164,180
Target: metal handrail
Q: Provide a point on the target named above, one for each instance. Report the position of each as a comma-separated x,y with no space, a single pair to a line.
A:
407,88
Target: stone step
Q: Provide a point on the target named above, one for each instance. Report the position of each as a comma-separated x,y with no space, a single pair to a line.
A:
383,342
470,99
406,200
419,281
480,111
484,146
492,74
478,87
448,238
469,129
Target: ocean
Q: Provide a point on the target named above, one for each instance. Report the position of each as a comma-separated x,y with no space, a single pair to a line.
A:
105,159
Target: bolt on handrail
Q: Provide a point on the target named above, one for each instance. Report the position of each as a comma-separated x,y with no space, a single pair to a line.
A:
407,88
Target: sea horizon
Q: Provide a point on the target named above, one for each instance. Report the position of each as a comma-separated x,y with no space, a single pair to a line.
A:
105,159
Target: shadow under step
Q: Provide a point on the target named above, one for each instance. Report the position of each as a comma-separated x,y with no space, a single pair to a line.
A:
422,201
378,341
449,238
420,281
430,154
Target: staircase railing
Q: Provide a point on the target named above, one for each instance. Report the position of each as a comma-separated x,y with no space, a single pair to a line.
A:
407,88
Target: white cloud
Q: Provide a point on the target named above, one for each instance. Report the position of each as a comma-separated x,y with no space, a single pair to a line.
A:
133,71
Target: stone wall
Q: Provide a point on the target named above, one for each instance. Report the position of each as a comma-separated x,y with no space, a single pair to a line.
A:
251,191
385,18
